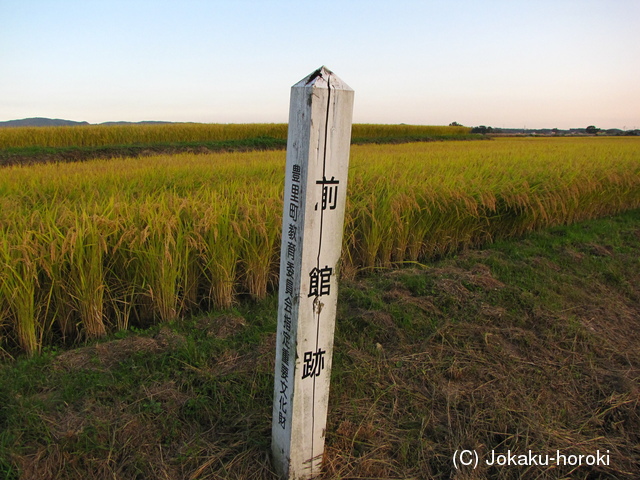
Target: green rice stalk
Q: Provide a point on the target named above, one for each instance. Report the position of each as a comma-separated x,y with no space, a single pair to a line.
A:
18,284
86,245
220,242
260,237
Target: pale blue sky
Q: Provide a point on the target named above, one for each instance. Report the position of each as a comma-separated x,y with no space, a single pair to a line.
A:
511,63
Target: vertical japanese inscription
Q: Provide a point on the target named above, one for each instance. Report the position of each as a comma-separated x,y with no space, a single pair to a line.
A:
290,229
320,277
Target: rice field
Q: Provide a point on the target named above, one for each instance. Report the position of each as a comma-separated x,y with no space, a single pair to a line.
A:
106,135
95,247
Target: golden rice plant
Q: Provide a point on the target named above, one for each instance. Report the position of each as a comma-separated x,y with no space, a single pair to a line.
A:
145,134
124,281
364,131
103,135
86,249
18,288
460,195
159,252
372,230
260,236
85,244
54,267
188,278
220,239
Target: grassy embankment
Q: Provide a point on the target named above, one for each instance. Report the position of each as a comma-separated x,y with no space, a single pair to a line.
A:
92,248
60,144
529,344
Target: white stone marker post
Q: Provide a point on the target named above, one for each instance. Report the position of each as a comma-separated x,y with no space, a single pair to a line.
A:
314,201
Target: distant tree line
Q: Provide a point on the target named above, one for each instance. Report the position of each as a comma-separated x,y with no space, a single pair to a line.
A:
484,130
590,130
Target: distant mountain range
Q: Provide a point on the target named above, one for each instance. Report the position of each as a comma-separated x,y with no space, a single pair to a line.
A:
56,122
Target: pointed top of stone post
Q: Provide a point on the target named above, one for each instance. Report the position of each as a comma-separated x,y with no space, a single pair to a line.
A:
323,78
